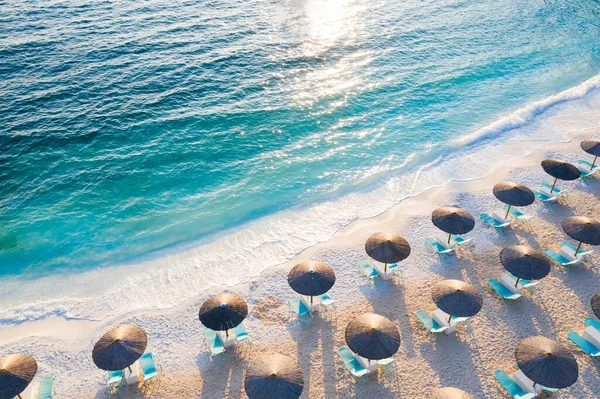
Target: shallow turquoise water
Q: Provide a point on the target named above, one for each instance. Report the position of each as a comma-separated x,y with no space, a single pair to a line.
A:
128,128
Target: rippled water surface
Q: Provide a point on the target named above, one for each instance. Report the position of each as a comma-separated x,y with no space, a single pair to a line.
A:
131,127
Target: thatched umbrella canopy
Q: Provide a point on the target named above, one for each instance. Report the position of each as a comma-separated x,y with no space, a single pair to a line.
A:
546,362
273,377
223,312
387,248
457,298
119,348
513,194
591,146
450,393
16,372
524,262
560,170
595,303
582,229
311,278
453,220
372,336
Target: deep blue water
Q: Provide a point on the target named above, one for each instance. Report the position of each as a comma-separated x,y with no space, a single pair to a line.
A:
131,127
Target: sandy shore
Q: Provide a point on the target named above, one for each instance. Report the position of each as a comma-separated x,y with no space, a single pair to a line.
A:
466,359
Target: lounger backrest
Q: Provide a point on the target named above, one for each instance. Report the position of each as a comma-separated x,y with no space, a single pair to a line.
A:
147,363
46,388
582,343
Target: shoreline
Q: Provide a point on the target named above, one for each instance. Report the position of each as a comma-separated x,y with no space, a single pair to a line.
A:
270,242
175,333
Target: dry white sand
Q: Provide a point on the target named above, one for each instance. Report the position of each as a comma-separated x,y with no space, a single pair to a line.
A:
466,359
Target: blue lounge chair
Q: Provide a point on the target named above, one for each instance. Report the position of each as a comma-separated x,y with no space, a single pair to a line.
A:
115,378
214,342
300,309
46,390
437,247
589,322
501,290
393,268
559,258
429,323
352,365
240,333
458,240
368,270
326,301
543,197
586,168
574,248
493,222
148,367
511,387
517,214
584,345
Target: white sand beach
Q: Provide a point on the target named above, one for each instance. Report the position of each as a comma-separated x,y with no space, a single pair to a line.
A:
466,359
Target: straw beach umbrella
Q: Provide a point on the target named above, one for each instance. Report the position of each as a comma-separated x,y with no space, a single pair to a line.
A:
16,372
273,377
311,278
546,362
119,348
457,298
450,393
372,336
524,262
591,146
560,170
513,194
582,229
223,312
452,221
387,248
595,303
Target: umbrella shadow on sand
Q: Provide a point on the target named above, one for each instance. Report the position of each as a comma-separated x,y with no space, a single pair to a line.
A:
224,374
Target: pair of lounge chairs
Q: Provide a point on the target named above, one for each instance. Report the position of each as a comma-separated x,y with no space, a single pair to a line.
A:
446,248
582,343
586,168
216,345
358,372
303,312
45,390
564,260
513,389
372,273
507,294
496,222
149,373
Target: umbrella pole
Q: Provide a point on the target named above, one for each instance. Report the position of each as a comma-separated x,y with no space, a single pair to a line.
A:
311,300
553,184
130,370
449,319
594,163
508,210
19,396
449,237
517,283
385,268
579,246
226,334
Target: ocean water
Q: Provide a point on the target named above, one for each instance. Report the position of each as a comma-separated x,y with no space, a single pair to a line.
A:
187,135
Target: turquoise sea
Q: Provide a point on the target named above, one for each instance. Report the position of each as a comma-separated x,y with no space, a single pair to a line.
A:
132,128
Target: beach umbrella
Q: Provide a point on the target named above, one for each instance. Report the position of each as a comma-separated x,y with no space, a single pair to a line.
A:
273,377
546,362
387,248
595,302
119,348
372,336
16,372
560,170
457,298
513,194
311,278
591,146
223,312
450,393
524,262
582,229
452,220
